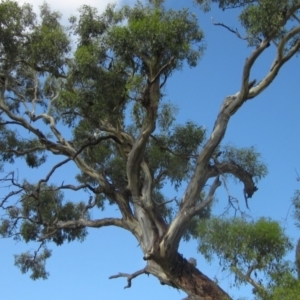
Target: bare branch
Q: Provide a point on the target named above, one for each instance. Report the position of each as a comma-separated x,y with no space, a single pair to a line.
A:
232,200
130,276
231,168
51,172
230,29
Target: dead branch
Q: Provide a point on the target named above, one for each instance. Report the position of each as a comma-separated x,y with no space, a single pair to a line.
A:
230,29
130,276
231,168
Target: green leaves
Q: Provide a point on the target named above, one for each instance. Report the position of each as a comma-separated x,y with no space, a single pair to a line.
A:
242,246
38,213
156,36
15,20
264,19
261,19
171,153
34,262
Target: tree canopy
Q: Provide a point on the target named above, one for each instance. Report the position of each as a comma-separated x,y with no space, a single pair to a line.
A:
92,95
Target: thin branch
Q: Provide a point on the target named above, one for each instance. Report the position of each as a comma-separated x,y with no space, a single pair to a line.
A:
230,29
96,190
231,199
130,276
12,193
51,172
296,17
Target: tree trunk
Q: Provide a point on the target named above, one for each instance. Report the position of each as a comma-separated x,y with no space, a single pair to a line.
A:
185,276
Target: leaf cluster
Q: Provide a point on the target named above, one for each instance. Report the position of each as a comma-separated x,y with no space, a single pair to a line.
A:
38,213
173,152
260,19
34,262
244,247
154,33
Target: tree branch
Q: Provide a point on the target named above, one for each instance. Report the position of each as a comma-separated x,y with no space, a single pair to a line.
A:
209,198
247,278
201,174
130,276
230,29
237,171
82,223
51,172
279,61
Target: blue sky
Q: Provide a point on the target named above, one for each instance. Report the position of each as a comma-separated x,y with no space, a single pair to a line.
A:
270,122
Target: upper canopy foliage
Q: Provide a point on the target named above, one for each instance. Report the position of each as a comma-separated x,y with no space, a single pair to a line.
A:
261,18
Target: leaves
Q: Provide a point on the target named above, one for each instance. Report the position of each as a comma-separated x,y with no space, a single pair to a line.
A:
259,245
261,19
158,35
34,262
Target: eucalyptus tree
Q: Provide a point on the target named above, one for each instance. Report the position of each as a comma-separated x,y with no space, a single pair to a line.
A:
92,95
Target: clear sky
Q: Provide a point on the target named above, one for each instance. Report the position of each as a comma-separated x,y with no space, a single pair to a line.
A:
270,122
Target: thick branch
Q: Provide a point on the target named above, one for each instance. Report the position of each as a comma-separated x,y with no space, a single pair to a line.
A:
230,105
279,61
150,101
